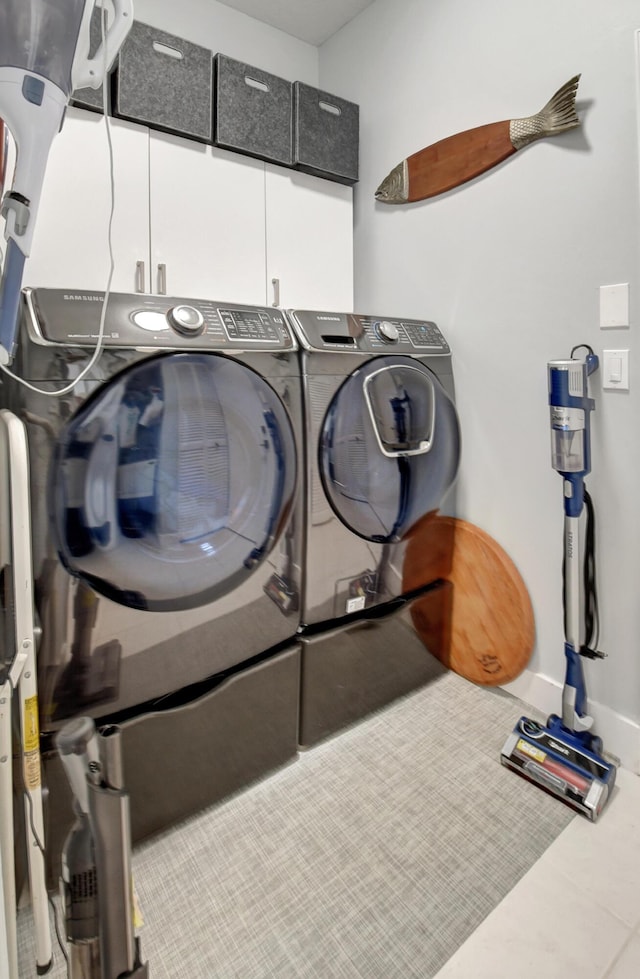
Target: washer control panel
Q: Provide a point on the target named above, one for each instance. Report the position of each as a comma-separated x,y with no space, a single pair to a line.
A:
357,332
58,316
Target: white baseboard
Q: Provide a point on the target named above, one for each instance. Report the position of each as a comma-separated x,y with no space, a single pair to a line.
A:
620,735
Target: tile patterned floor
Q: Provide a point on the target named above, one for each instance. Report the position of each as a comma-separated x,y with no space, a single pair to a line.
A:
576,912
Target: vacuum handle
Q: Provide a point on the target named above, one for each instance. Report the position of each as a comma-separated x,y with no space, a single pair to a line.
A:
110,826
4,153
10,297
89,72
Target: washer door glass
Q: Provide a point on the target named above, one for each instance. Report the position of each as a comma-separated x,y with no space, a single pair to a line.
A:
172,483
389,448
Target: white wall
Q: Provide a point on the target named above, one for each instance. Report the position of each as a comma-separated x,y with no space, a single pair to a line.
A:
510,266
226,31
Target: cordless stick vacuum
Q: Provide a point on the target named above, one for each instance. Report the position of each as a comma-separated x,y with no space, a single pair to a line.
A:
44,57
96,884
564,756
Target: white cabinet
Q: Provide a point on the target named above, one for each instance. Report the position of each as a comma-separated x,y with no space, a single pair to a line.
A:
309,225
207,222
70,244
190,220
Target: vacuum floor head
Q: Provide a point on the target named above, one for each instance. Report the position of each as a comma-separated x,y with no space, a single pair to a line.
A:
566,764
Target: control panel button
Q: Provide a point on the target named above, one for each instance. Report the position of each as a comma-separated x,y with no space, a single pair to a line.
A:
249,325
186,320
425,335
150,319
387,331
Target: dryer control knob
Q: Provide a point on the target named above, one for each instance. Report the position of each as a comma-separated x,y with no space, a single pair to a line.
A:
186,320
387,331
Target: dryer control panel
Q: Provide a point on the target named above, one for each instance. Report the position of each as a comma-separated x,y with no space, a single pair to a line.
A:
72,318
366,334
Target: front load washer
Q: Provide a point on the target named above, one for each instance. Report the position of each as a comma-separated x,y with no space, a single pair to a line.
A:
166,517
382,452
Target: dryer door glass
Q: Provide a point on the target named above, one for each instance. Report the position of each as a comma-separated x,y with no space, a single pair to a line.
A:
172,482
389,448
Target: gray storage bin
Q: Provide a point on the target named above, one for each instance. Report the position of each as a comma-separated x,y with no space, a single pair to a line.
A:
165,82
326,132
254,111
91,98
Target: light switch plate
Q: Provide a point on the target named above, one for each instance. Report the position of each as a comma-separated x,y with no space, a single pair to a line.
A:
615,370
614,306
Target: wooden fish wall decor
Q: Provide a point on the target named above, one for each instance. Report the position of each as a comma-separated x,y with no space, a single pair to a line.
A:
452,161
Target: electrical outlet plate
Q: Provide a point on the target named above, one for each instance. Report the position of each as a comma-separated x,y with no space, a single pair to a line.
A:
614,306
615,370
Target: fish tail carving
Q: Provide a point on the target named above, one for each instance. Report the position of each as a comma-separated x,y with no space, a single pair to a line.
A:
558,115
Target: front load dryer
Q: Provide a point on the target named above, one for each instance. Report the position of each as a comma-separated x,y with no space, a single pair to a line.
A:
382,452
166,516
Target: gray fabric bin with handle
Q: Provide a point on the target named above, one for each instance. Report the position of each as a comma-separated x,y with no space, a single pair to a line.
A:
326,134
165,83
254,111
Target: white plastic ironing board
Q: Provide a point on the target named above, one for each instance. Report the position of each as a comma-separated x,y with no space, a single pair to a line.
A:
14,481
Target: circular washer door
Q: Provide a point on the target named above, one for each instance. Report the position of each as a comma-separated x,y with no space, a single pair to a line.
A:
173,481
389,448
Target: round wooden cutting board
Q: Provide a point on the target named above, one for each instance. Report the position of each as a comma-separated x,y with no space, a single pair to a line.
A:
480,622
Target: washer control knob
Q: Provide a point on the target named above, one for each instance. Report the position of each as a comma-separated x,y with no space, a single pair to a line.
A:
186,320
387,331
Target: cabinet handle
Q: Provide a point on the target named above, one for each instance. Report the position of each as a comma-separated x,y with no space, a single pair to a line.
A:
162,279
140,284
276,292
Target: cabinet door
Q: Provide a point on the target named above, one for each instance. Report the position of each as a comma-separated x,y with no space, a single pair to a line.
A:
309,241
70,244
207,222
